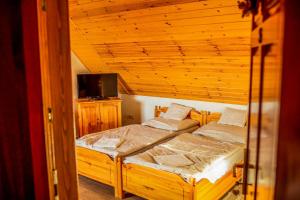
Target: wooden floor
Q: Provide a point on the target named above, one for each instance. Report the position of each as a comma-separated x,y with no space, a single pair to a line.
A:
92,190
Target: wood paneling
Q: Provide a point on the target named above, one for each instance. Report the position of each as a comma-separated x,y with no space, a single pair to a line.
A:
181,49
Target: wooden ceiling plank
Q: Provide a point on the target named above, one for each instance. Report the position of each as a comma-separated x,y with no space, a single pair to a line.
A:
78,11
170,46
164,15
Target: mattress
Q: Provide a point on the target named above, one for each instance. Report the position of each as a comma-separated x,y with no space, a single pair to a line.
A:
133,138
211,158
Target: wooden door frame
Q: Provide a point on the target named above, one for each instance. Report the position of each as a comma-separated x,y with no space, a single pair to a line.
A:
288,160
56,76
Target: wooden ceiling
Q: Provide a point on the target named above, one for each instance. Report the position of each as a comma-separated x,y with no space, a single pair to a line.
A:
190,49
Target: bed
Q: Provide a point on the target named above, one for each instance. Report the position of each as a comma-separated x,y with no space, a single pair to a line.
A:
209,177
104,164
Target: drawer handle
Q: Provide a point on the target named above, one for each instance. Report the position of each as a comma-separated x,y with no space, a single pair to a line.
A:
148,188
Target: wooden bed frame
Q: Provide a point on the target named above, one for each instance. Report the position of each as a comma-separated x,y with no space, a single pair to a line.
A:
102,168
157,184
204,117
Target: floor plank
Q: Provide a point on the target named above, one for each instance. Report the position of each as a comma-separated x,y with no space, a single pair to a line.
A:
92,190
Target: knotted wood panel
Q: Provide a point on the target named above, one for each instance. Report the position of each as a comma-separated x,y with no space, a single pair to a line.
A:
190,49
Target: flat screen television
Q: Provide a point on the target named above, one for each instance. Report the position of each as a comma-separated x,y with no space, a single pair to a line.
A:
97,86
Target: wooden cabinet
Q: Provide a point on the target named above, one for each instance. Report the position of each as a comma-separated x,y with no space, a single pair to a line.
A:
94,116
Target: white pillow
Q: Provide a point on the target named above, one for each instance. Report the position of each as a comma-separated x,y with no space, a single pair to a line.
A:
234,117
177,112
171,124
223,132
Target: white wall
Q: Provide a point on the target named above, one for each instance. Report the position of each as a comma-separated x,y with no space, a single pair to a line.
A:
137,109
77,68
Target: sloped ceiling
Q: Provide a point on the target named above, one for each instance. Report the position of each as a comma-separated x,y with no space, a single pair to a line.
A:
180,48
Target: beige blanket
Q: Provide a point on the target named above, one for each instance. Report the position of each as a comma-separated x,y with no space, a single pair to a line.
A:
132,137
210,158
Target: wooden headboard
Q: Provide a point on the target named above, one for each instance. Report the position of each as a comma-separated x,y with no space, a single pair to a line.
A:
204,117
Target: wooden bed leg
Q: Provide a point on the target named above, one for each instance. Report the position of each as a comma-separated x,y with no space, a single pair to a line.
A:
193,184
119,193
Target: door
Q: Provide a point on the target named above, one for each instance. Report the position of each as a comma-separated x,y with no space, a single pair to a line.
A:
54,47
110,115
264,101
89,118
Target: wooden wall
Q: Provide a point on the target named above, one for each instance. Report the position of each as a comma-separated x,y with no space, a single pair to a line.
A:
190,49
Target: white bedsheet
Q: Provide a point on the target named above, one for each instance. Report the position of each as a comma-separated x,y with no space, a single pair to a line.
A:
134,137
211,158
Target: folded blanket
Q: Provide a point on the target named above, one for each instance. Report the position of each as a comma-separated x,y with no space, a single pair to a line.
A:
106,142
175,160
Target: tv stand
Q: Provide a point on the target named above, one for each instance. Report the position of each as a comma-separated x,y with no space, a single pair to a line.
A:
97,115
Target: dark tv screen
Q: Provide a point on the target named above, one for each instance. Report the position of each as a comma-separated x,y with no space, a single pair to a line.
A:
97,86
